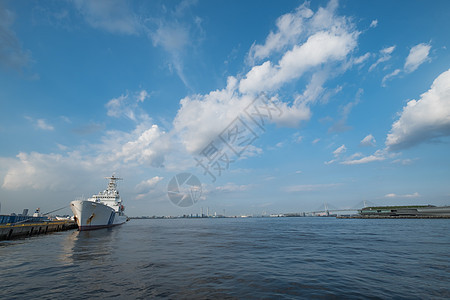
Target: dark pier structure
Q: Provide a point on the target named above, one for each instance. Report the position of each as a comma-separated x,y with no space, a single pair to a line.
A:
12,227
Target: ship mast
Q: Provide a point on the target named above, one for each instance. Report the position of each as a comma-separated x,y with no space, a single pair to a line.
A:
112,183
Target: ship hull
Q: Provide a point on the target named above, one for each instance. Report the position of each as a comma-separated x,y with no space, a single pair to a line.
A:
94,215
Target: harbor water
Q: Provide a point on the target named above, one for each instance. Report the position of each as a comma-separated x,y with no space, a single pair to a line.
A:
242,258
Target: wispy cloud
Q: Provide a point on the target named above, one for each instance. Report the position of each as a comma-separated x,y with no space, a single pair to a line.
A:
177,35
417,56
385,55
337,153
232,187
392,195
310,187
364,160
389,76
127,106
12,55
344,111
41,124
114,16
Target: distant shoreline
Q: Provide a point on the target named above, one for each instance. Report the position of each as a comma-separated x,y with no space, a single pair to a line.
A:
392,217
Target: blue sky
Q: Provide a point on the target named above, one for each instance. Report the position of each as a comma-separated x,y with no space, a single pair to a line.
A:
360,93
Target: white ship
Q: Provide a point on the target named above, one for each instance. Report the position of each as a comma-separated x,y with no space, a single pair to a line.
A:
100,211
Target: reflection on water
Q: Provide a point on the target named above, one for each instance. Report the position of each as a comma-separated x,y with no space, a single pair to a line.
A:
92,245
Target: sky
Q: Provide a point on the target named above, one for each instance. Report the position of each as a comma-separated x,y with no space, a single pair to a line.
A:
274,106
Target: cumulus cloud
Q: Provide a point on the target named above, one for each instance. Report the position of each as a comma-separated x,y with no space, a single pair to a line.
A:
369,140
145,146
52,171
43,171
374,23
425,119
176,36
324,38
202,117
322,47
417,56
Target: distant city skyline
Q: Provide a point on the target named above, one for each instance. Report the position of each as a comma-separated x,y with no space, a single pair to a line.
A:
278,108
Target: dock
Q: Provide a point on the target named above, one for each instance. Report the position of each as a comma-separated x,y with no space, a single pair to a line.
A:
13,230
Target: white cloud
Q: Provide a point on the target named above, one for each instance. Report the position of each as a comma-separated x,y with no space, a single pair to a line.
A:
143,149
392,195
201,118
340,150
337,153
405,162
320,48
315,141
289,28
385,56
374,23
425,119
417,56
127,106
146,146
146,185
362,58
111,15
364,160
369,140
143,95
41,124
389,76
330,39
43,171
53,171
232,187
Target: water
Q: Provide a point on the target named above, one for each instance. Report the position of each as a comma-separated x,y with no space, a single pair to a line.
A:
282,258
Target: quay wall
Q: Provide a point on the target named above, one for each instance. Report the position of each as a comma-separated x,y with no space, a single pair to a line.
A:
11,231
